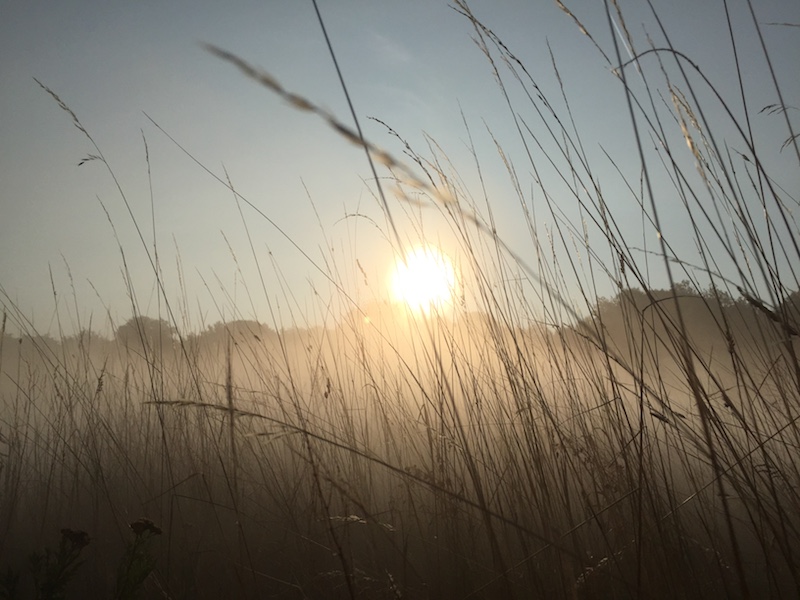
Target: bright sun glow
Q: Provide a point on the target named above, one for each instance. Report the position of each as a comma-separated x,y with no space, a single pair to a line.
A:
425,280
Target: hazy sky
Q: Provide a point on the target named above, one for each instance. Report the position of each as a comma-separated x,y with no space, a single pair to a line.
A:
410,63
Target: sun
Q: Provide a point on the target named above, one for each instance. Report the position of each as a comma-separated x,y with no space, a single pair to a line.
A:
425,280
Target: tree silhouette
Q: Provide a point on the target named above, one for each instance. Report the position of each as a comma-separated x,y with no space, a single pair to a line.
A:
141,331
241,331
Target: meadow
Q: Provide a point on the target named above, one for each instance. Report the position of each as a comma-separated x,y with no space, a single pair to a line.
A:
543,439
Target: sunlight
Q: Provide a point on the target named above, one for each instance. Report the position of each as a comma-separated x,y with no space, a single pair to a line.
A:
425,280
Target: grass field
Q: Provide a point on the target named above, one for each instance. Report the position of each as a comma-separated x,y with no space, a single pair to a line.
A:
547,442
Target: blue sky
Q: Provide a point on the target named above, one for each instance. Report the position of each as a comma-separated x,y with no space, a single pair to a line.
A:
411,64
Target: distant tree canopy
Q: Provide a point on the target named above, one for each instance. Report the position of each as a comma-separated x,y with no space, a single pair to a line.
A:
707,314
239,331
145,330
791,309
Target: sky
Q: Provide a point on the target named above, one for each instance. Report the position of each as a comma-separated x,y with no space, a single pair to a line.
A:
68,235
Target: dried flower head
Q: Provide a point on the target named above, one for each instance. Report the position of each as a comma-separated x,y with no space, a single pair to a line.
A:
77,538
140,526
